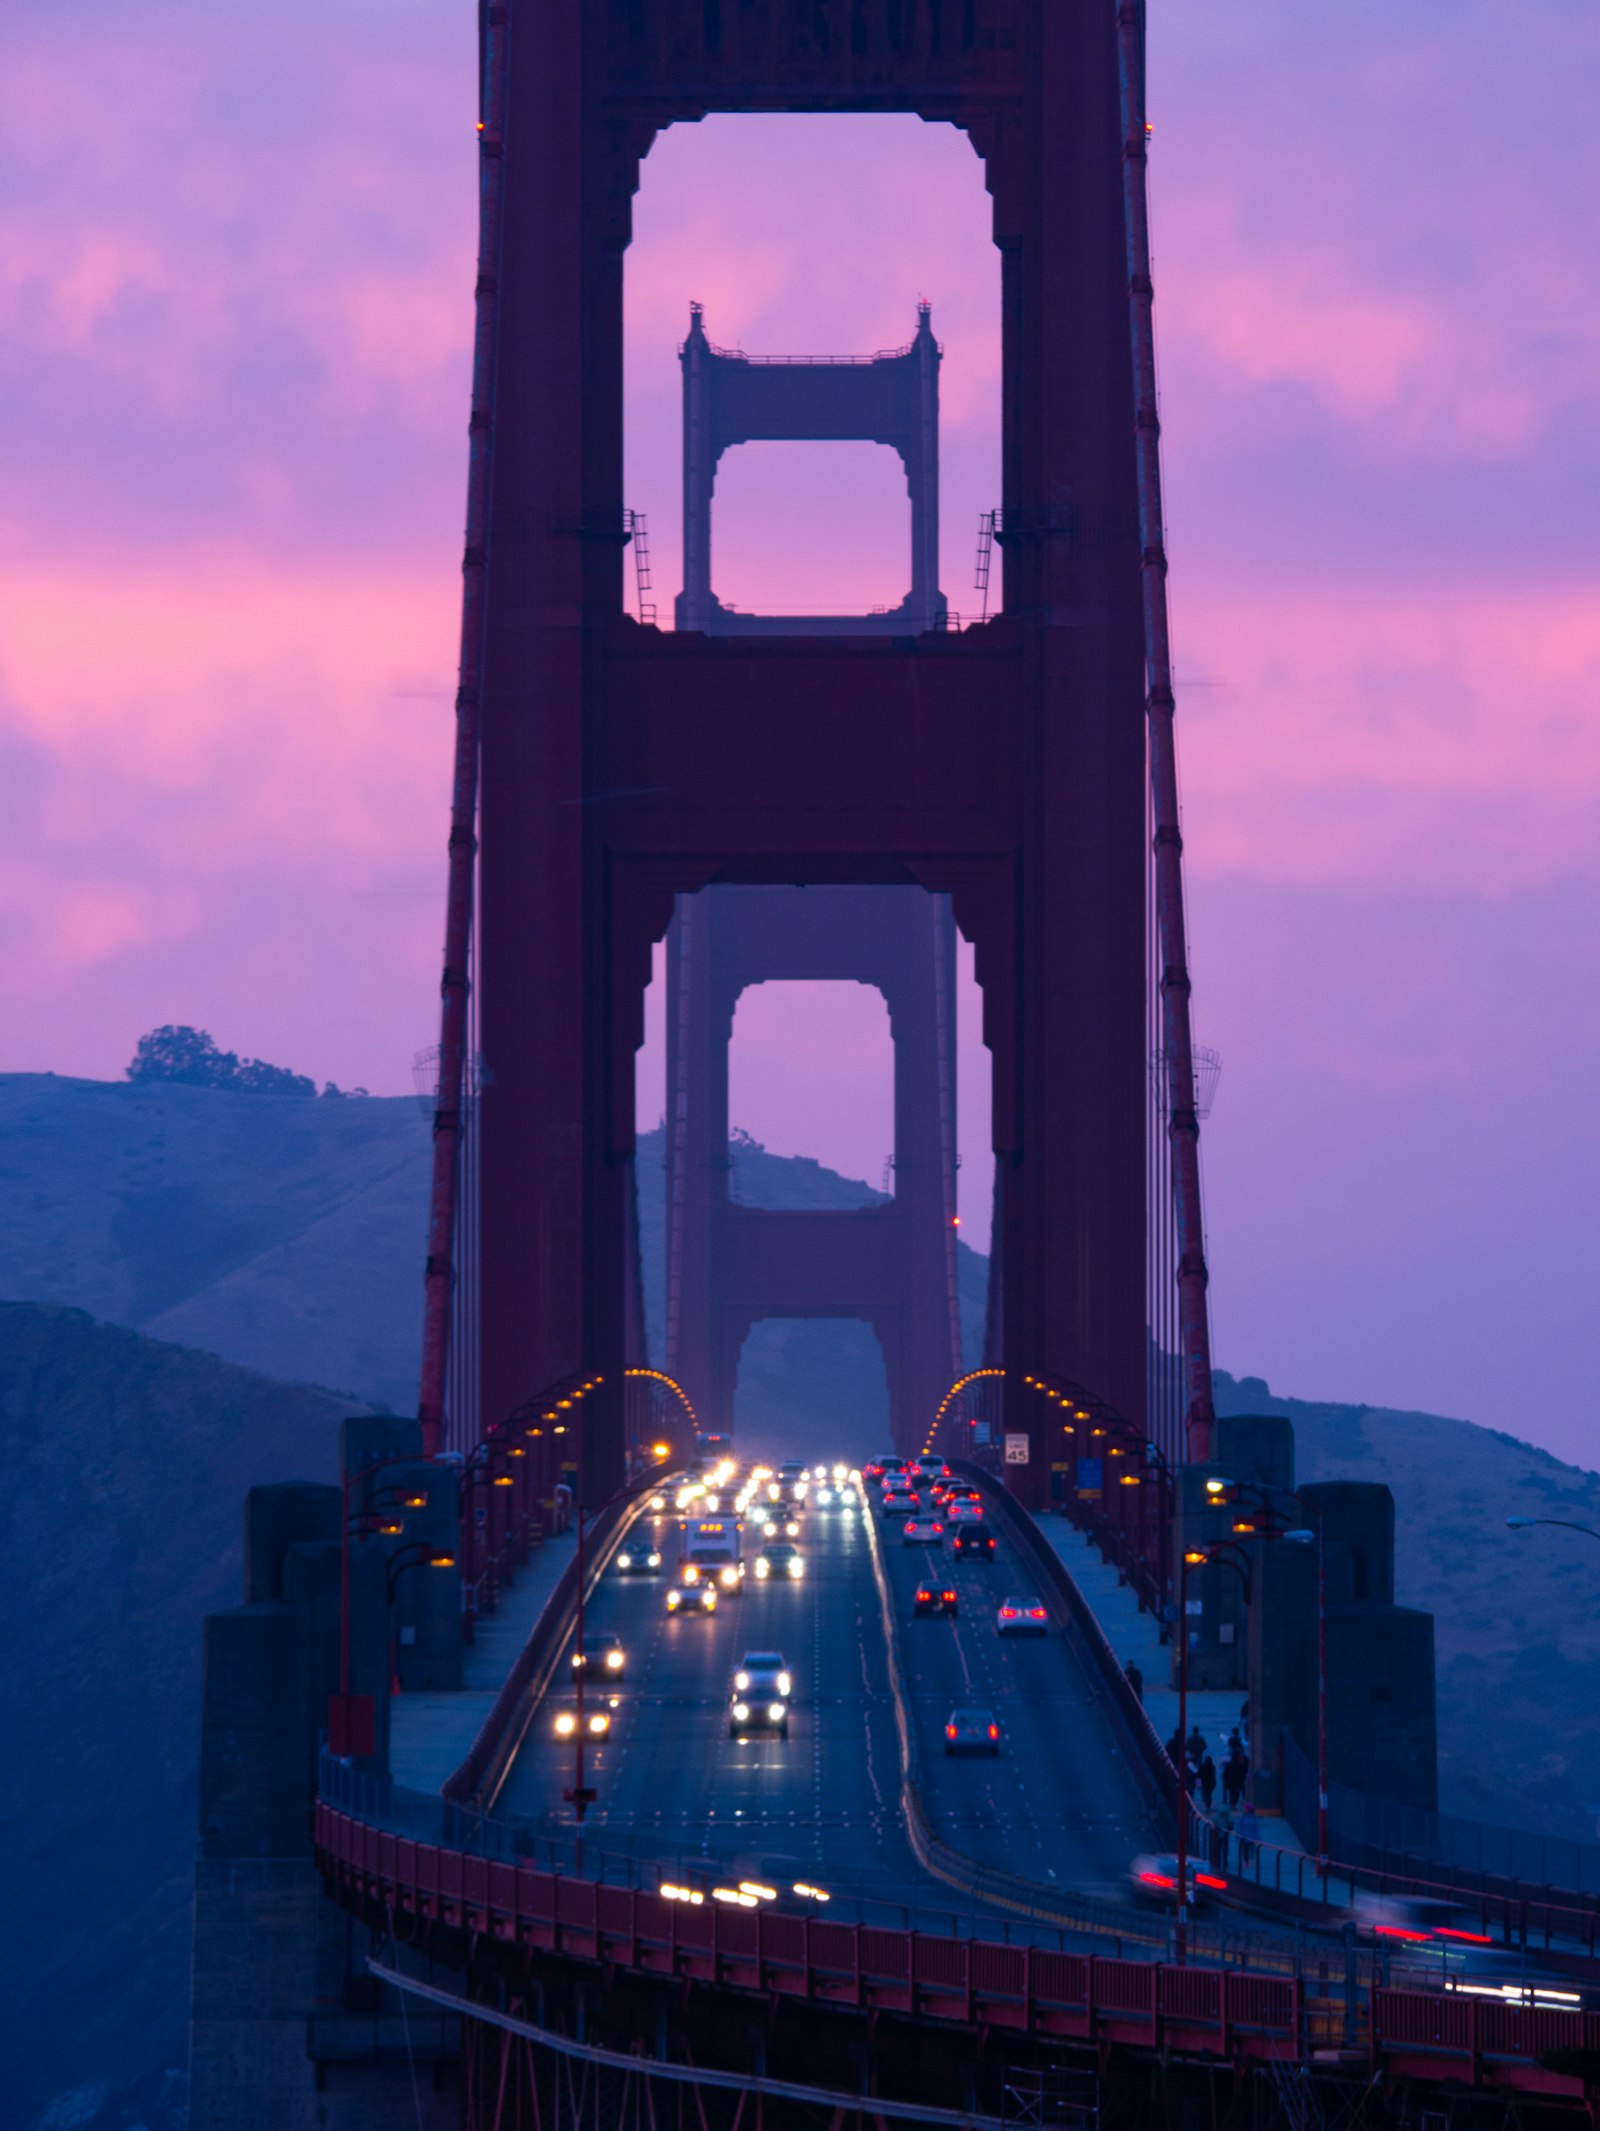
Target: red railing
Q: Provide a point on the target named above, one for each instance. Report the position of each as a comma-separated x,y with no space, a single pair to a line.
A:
965,1982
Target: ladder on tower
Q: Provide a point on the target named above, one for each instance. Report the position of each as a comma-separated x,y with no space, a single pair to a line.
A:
988,534
638,534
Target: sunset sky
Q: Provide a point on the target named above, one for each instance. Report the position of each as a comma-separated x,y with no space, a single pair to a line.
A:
236,259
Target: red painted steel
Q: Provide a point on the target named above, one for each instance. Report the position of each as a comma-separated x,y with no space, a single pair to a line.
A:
447,1120
1218,2012
1183,1122
624,766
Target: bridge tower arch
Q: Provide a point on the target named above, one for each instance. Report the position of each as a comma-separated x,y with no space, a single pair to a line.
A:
1003,767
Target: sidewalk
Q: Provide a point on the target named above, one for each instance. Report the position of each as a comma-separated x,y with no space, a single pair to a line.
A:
430,1733
1135,1635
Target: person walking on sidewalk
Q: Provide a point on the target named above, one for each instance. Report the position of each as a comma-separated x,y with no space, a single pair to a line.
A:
1208,1780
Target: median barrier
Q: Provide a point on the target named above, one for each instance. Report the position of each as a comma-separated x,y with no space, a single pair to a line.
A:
478,1780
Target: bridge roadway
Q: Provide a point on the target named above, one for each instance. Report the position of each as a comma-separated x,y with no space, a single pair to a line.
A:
1059,1804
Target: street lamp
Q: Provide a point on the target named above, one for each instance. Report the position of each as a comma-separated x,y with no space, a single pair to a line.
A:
1222,1492
350,1717
1232,1554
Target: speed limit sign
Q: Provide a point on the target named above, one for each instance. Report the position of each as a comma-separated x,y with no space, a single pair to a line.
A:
1016,1450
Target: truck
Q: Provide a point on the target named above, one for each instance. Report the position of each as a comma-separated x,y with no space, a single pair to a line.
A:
712,1552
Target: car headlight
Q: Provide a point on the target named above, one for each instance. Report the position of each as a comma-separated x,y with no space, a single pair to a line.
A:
598,1725
624,1561
762,1569
784,1683
691,1574
797,1568
566,1725
824,1494
729,1578
741,1680
741,1712
654,1561
774,1712
673,1601
613,1661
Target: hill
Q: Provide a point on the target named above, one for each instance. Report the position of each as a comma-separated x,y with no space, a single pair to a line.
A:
127,1462
1517,1632
286,1234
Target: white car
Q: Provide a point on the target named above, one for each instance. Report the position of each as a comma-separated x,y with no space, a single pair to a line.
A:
922,1531
1021,1616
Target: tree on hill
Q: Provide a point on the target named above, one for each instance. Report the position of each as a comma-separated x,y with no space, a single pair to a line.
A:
191,1057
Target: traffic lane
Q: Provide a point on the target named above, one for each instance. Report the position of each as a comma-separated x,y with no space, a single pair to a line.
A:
1059,1804
669,1777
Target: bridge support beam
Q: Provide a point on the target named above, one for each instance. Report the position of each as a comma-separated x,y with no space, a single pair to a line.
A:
729,1266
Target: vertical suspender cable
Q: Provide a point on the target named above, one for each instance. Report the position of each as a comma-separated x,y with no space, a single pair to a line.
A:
1183,1124
455,985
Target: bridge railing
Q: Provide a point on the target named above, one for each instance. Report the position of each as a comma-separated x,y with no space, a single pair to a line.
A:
1110,1478
964,1982
1514,1913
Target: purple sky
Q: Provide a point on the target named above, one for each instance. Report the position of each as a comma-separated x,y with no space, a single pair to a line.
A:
235,273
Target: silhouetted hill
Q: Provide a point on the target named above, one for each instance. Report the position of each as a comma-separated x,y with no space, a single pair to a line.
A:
126,1463
285,1235
1517,1632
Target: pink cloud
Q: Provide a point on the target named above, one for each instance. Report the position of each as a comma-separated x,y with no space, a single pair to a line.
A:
1408,739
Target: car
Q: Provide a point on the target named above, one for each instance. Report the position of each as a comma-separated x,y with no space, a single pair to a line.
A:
930,1468
601,1654
751,1709
596,1719
1021,1616
936,1598
922,1531
762,1684
692,1598
876,1469
961,1512
899,1502
974,1542
1413,1920
1154,1878
779,1561
971,1731
638,1555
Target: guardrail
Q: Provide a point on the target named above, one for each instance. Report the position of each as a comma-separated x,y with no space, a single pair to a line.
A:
1517,1915
1148,1754
477,1781
1209,2012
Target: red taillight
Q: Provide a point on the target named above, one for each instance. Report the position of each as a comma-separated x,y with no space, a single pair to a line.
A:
994,1731
949,1597
949,1731
1469,1938
1156,1879
1206,1879
1008,1612
1393,1931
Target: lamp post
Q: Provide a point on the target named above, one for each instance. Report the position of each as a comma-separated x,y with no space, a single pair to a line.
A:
350,1728
1227,1491
1223,1550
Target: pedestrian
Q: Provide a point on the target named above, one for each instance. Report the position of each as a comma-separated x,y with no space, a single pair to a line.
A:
1175,1750
1208,1779
1248,1830
1135,1678
1233,1778
1196,1742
